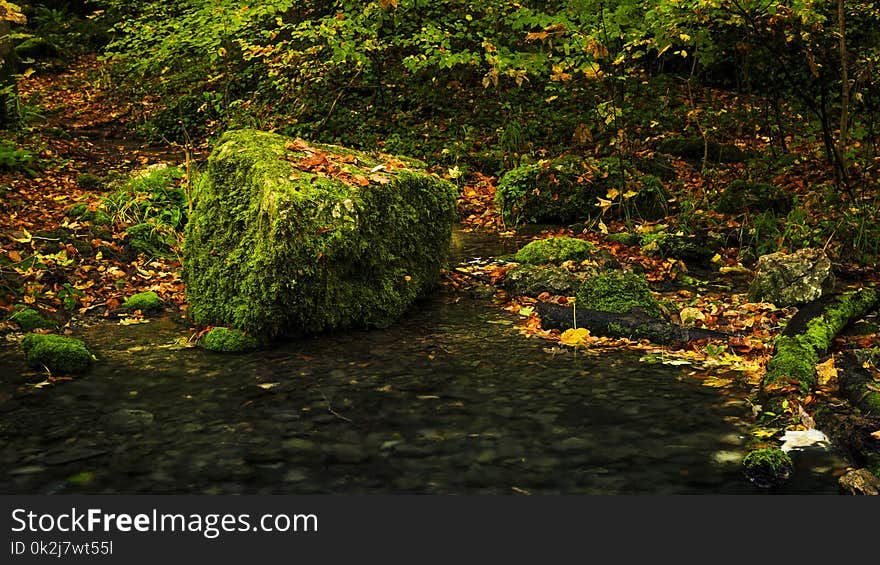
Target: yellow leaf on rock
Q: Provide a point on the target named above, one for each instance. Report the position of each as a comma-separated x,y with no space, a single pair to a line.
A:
579,336
826,371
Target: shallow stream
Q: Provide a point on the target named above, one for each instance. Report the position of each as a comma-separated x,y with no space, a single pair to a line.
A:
450,400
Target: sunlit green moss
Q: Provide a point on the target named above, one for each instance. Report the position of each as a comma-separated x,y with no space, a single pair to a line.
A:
618,292
57,353
555,250
274,248
146,302
228,340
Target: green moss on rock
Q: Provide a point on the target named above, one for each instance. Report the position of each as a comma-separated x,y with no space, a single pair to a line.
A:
228,340
796,356
618,292
277,245
146,302
532,280
29,320
768,467
555,250
57,353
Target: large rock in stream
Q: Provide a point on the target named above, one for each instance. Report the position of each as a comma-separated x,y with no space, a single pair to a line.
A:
791,279
292,237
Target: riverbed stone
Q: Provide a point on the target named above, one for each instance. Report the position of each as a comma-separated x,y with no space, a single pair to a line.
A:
789,279
293,237
129,420
532,280
860,482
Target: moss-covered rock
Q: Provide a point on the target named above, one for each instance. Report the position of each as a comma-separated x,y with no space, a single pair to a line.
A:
795,356
29,320
292,237
555,250
147,302
694,148
768,467
532,280
788,279
57,353
619,292
228,340
742,195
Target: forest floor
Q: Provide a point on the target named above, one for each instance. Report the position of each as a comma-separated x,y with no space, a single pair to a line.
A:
72,270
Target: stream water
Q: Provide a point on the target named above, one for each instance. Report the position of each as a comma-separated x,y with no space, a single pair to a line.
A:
451,400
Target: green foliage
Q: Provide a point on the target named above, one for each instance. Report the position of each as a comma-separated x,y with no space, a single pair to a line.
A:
153,195
618,292
14,158
29,320
742,195
57,353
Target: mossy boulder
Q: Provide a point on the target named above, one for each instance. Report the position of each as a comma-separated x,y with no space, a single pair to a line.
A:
292,237
228,340
619,292
147,302
742,195
57,353
29,320
788,279
768,467
694,148
555,250
532,280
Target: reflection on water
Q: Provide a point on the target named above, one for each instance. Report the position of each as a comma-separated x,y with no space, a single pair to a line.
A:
451,400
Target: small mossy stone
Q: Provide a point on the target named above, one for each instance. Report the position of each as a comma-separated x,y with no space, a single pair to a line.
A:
147,302
618,292
228,340
532,280
29,320
768,467
57,353
555,250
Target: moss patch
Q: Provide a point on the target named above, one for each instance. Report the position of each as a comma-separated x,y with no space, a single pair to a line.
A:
57,353
29,320
291,237
228,340
555,250
618,292
768,467
796,356
146,302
